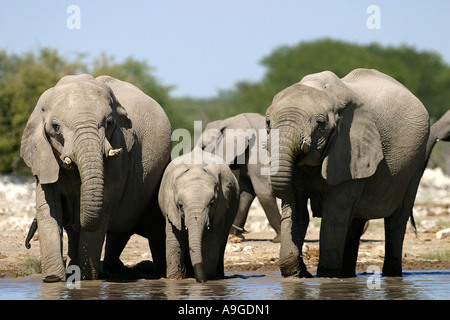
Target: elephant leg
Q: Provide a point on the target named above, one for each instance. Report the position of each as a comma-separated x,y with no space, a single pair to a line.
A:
49,220
294,223
247,195
395,227
246,199
338,210
157,239
175,255
269,204
394,236
351,247
115,243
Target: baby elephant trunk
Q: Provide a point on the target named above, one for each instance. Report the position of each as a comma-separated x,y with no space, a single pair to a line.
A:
196,225
199,272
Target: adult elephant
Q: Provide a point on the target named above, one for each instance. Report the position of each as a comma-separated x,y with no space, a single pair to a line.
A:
253,181
199,200
98,148
356,148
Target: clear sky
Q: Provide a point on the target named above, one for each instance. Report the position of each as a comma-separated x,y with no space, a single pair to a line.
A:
202,46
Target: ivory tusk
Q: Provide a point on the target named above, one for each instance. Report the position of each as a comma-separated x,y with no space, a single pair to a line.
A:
67,161
115,152
304,148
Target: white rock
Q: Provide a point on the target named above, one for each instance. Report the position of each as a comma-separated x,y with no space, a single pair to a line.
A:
443,234
428,224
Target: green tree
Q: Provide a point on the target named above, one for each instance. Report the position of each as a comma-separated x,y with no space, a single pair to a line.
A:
23,78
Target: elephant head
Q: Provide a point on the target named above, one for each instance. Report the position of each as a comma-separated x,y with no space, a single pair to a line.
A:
319,122
72,128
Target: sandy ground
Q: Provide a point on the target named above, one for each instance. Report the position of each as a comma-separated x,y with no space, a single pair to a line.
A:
423,251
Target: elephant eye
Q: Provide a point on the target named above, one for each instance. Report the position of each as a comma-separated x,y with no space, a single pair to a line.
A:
321,123
211,203
180,207
55,127
110,126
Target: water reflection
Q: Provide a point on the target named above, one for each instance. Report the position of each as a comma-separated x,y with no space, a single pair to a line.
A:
244,286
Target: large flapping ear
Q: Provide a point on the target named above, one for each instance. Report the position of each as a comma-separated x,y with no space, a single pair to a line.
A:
356,150
227,182
237,135
35,149
120,113
166,196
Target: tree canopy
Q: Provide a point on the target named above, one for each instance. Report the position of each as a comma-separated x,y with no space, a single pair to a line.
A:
23,78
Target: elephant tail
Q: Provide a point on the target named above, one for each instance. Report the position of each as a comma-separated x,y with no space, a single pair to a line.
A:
31,232
413,224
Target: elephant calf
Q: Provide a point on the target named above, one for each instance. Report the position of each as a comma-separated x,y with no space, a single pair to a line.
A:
200,202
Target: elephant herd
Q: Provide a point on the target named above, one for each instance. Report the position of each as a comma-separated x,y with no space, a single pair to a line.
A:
100,151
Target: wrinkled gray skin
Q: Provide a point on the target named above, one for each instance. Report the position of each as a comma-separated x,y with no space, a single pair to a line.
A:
356,148
251,183
440,130
98,161
199,202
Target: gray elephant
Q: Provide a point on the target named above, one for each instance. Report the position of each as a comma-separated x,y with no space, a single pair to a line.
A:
356,148
98,161
199,200
440,130
252,183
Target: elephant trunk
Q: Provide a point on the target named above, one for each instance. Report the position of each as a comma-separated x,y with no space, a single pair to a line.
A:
282,164
196,224
89,159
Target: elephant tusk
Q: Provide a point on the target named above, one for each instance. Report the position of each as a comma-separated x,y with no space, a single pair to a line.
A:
115,152
67,161
304,148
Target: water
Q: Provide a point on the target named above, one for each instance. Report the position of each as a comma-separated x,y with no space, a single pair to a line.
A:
268,285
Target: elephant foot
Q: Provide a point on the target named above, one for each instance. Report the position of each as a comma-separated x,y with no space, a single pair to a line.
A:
277,239
176,276
293,266
392,270
114,270
236,234
324,272
53,278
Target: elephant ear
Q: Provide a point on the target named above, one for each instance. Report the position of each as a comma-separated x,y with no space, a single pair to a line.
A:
111,84
35,149
228,182
236,136
166,196
356,150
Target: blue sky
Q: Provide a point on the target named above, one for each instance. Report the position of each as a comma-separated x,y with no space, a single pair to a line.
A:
202,46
